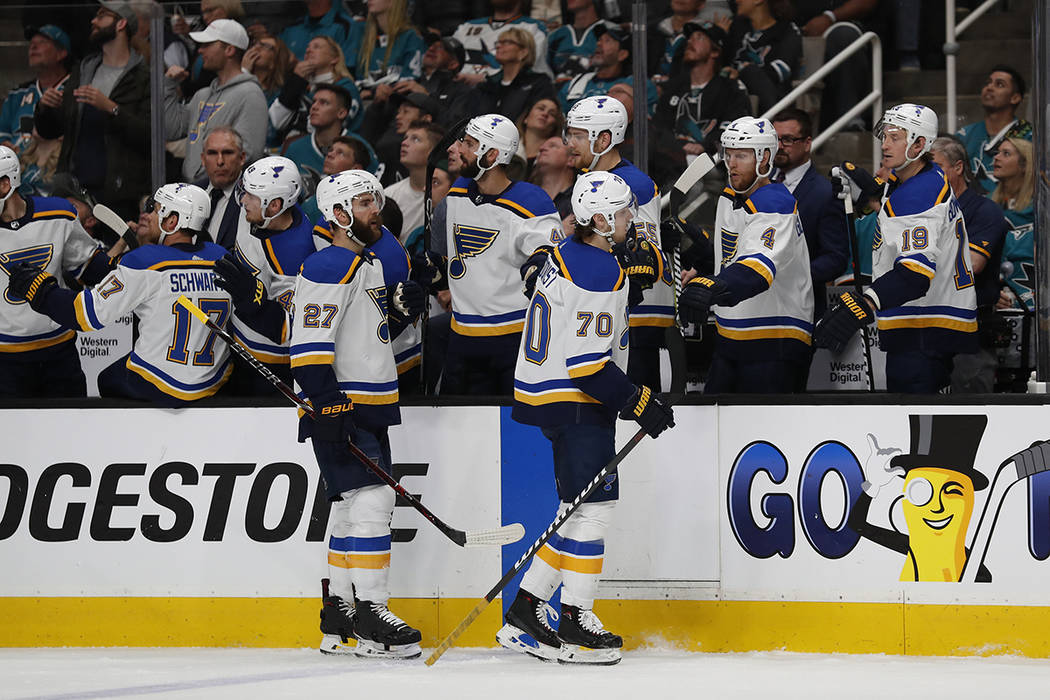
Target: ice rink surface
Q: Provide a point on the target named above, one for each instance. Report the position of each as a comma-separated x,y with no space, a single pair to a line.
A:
261,674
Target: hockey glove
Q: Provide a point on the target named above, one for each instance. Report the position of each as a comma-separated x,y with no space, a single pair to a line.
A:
235,277
407,300
638,259
649,411
850,180
530,271
334,419
699,296
30,283
847,316
428,270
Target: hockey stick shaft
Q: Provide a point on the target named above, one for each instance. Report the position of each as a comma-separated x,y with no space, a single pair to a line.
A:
520,564
851,230
460,537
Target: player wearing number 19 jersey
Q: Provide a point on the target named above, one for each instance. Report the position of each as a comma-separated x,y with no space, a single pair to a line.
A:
176,360
571,380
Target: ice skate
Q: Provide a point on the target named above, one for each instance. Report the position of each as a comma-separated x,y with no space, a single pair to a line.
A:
381,633
528,629
584,640
337,625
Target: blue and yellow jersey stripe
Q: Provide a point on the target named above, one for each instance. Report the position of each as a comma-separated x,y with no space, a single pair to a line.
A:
765,328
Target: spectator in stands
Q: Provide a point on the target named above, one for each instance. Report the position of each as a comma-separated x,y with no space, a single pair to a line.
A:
1014,168
234,98
391,48
347,152
516,86
765,48
612,64
570,46
270,61
840,23
327,114
411,107
325,18
822,216
1000,97
102,113
420,139
66,186
986,229
323,64
479,37
697,105
211,10
554,173
667,37
542,121
49,61
39,159
223,159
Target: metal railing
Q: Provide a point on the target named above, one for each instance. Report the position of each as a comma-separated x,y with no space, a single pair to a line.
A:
951,48
873,98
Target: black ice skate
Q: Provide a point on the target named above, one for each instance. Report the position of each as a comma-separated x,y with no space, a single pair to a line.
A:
380,632
584,640
337,623
528,627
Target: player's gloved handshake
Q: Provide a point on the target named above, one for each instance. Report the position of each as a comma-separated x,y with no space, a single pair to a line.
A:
652,414
407,300
699,295
530,271
846,316
333,418
428,270
30,283
246,290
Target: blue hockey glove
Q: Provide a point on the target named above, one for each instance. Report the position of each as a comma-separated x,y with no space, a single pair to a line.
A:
30,283
334,419
846,316
699,295
648,411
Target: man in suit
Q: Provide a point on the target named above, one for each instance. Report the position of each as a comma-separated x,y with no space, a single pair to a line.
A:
822,216
223,159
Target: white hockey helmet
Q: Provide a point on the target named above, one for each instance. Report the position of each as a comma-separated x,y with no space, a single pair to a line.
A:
916,120
605,193
597,114
270,178
10,167
341,188
493,131
189,202
756,134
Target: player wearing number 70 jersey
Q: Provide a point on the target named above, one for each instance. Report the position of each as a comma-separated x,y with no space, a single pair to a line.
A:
176,360
922,290
571,380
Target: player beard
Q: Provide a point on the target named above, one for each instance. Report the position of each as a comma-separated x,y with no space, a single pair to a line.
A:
470,170
369,231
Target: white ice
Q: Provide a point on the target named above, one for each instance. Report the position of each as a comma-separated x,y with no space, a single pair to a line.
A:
262,674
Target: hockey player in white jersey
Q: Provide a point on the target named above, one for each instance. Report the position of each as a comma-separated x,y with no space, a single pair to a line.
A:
38,357
493,225
273,240
761,290
175,360
922,289
340,356
594,129
571,381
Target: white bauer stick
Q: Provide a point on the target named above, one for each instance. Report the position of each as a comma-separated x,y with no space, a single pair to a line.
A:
507,534
112,219
1026,463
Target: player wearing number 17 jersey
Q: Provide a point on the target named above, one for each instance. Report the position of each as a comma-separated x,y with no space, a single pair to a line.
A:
571,380
922,292
176,360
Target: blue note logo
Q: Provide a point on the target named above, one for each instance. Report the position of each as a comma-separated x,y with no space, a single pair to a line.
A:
470,241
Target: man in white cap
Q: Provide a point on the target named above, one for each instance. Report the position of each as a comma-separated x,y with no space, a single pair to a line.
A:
233,99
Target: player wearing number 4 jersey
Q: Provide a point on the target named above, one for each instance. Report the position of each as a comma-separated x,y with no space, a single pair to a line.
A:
175,360
341,357
570,380
762,292
922,290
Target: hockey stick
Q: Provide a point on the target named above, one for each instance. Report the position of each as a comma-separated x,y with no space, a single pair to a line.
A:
598,480
1026,463
439,149
854,249
111,219
470,538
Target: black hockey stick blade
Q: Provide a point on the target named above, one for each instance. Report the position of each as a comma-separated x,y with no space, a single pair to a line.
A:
520,564
474,538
